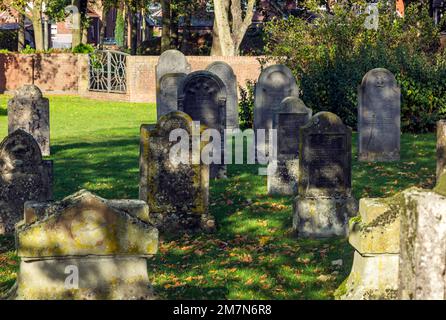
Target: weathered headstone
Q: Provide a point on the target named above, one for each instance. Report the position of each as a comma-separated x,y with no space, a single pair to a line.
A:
23,176
85,247
379,117
283,174
176,189
171,61
29,111
441,148
325,203
274,84
423,242
203,97
167,95
225,72
375,236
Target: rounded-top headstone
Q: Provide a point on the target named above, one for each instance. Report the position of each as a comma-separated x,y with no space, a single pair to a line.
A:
29,92
172,61
19,150
293,105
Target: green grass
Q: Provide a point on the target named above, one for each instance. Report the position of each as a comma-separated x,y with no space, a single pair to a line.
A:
253,255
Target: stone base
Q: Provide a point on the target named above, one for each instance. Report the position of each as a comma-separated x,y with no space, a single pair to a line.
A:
180,223
283,177
100,278
373,277
323,217
379,157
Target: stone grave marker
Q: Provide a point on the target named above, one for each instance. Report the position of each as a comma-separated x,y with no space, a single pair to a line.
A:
225,72
171,61
325,203
85,247
203,97
30,111
283,174
177,190
23,176
167,94
379,117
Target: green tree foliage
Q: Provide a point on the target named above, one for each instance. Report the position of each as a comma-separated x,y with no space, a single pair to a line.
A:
330,55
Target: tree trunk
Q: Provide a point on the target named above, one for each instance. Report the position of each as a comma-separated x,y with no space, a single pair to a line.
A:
134,33
174,29
165,36
76,32
216,48
21,33
37,27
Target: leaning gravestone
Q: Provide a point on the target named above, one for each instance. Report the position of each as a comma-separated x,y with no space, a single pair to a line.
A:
85,247
29,111
325,203
227,75
274,84
283,174
23,176
176,189
423,243
167,95
379,117
202,95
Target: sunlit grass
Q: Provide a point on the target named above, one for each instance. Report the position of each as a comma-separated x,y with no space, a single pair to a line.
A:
253,255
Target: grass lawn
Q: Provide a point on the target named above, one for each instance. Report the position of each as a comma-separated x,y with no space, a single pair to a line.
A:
253,255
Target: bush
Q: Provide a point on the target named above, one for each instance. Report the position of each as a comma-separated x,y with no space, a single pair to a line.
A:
8,40
246,105
331,54
83,48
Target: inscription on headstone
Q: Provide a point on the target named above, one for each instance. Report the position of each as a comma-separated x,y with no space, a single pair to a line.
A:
30,112
23,176
379,117
227,75
167,97
325,202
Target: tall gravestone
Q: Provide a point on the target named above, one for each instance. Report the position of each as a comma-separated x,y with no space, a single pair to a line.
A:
379,117
283,174
23,176
170,62
85,248
202,95
176,189
325,203
274,84
225,72
30,111
167,96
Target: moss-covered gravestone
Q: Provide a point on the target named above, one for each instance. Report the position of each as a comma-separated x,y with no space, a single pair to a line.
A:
379,117
283,174
175,184
85,247
375,236
30,111
325,202
23,176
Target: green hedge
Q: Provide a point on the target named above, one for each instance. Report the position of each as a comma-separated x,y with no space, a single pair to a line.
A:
8,40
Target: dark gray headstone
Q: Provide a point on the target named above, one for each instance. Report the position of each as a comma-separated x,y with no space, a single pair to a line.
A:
171,61
24,176
379,117
177,193
30,112
167,94
275,84
325,203
287,120
225,72
202,95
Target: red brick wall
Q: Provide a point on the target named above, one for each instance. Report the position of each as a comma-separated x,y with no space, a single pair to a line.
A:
68,73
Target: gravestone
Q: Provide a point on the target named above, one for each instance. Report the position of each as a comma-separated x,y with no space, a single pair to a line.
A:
423,242
85,247
375,236
274,84
441,148
177,191
202,95
23,176
283,174
167,95
379,117
29,111
225,72
171,61
325,203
